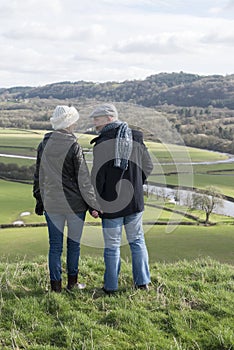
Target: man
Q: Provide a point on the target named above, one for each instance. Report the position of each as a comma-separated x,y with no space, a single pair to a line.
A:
120,167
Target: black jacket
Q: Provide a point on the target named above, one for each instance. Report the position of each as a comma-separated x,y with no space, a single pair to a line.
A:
62,180
119,192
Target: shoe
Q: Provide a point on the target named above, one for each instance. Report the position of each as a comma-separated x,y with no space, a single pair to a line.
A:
76,286
143,287
101,292
56,286
73,284
108,292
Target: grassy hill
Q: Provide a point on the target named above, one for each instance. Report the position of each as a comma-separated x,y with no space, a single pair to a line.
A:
189,306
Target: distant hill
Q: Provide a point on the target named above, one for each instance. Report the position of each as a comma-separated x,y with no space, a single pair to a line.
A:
200,109
179,89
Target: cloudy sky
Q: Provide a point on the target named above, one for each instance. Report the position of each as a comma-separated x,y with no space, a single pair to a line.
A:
49,41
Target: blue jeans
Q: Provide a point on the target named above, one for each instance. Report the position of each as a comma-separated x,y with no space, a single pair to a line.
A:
112,231
56,223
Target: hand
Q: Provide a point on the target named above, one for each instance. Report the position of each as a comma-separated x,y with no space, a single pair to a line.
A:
94,214
39,209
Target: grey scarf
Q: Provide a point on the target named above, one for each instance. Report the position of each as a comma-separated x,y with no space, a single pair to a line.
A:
123,143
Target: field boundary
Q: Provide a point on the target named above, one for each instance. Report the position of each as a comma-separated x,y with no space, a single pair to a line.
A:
150,223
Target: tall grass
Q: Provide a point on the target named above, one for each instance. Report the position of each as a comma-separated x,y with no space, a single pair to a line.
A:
189,306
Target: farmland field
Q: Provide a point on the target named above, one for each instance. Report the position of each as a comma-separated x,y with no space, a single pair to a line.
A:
224,182
17,199
25,142
184,242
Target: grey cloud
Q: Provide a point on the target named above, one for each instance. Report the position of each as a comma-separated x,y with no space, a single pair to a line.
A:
83,58
230,5
216,38
151,45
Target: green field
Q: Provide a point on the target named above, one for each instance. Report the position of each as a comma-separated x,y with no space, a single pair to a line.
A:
176,153
17,199
25,142
184,242
224,182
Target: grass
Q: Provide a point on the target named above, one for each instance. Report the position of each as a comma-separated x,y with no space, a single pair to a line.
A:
224,182
184,242
17,198
189,306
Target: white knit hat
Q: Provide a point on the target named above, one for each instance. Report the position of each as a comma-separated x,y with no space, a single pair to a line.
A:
64,116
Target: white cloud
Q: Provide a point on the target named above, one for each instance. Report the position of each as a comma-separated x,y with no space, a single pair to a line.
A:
101,40
40,31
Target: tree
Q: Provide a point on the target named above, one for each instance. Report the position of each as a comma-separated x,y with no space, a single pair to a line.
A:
208,201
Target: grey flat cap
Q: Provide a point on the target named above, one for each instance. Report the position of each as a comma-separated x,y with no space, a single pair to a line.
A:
104,110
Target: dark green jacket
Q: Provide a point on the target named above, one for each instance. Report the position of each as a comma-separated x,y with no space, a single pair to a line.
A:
62,179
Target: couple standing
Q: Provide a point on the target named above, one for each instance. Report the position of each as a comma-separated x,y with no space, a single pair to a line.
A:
64,192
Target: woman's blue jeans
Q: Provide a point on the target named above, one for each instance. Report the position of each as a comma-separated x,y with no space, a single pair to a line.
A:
112,231
56,224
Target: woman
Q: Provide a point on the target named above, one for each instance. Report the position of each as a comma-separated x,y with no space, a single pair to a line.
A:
63,192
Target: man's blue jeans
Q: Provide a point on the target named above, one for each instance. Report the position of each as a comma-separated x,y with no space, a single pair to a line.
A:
56,223
112,231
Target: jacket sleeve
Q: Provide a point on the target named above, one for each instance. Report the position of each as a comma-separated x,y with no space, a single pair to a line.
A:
38,172
98,176
147,164
84,180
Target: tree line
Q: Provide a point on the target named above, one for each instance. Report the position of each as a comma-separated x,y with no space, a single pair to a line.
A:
13,171
179,89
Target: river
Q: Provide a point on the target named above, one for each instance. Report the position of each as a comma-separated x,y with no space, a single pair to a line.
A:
226,209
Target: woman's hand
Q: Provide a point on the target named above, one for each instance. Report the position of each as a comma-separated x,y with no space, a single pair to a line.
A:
94,214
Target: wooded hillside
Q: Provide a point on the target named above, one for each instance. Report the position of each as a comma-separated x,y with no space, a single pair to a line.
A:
179,89
199,108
